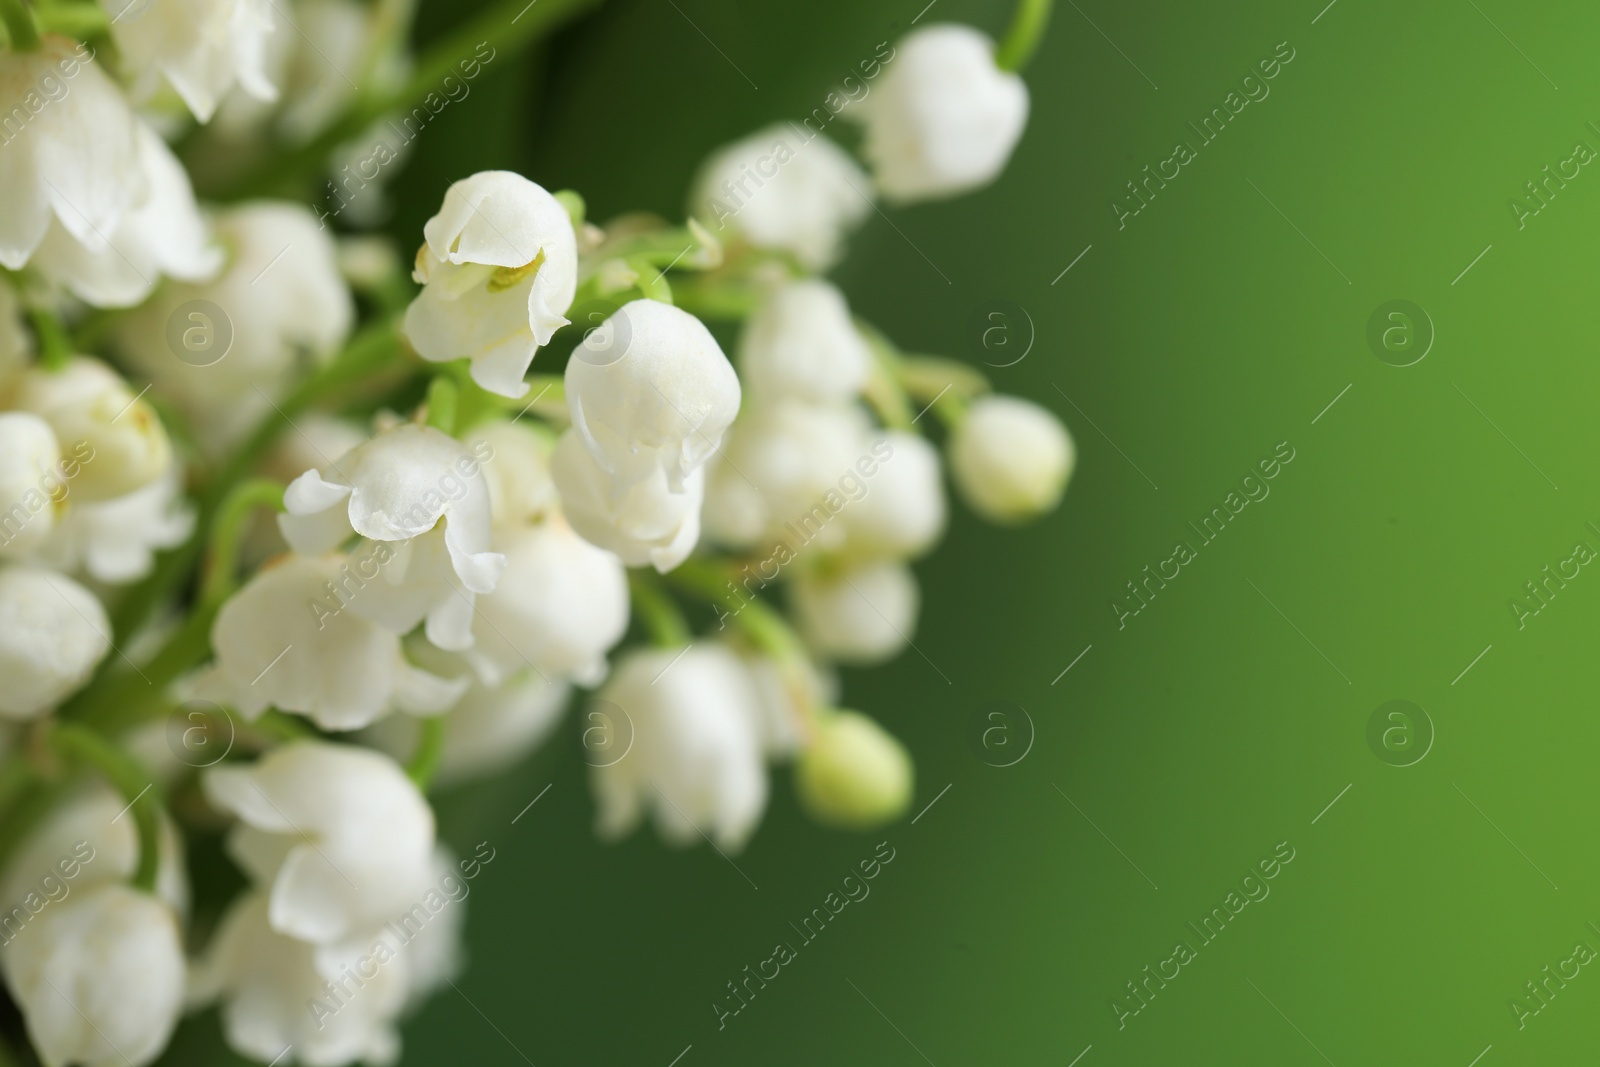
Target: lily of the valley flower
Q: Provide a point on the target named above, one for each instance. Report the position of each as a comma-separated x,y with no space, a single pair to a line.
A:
99,977
695,762
1010,458
164,234
560,606
398,487
864,613
53,633
944,118
115,541
645,523
663,403
902,511
88,401
337,835
289,639
202,48
225,350
784,188
332,1005
801,345
75,157
499,270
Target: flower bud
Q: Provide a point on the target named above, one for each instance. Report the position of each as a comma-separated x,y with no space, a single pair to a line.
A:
783,188
863,614
99,977
53,632
801,345
88,401
1010,459
944,119
31,486
901,511
663,403
855,774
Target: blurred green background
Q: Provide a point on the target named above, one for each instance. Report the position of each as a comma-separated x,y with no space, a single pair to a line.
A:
1224,718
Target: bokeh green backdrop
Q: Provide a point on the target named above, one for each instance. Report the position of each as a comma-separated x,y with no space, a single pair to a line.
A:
1225,717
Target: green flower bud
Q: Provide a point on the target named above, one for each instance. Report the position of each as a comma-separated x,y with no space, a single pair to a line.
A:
854,774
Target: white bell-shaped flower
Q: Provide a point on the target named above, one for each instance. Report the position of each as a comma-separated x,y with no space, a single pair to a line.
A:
853,773
499,269
53,633
32,482
202,48
286,1000
786,188
657,393
115,541
800,344
398,487
337,834
787,696
490,729
99,978
645,523
87,401
71,151
861,614
164,234
289,639
560,606
944,118
695,757
902,512
1010,458
787,471
225,350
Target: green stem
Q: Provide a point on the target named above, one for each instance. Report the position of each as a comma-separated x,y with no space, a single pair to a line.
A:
652,283
217,580
442,404
883,389
74,20
424,763
20,26
131,780
55,346
508,28
766,628
660,616
1022,39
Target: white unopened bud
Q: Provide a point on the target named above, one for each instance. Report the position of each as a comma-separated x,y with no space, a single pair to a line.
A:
99,977
88,401
902,511
52,634
801,345
1010,459
644,523
854,774
658,395
945,118
863,614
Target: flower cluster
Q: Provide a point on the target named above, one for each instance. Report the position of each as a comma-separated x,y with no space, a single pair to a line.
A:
290,535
